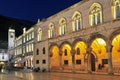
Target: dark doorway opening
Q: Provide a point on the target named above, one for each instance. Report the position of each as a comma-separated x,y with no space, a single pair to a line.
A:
92,62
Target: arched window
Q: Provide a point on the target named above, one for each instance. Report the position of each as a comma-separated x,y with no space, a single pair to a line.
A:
62,26
78,51
39,34
95,14
51,30
76,21
116,9
65,52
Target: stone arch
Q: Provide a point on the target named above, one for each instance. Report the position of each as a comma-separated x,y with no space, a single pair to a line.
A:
50,47
76,40
98,43
113,34
94,36
51,23
65,42
54,57
115,49
62,18
95,4
79,55
75,13
66,56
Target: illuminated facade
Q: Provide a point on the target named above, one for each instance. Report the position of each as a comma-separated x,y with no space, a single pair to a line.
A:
23,49
4,57
82,38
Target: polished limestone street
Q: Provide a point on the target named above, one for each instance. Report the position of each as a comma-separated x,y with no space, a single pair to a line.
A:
23,75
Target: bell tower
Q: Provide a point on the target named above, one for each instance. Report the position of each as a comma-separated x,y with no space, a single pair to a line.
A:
11,38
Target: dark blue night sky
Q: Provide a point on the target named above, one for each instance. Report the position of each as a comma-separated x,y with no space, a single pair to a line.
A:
33,9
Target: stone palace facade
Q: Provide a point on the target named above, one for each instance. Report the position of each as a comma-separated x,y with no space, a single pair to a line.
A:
82,38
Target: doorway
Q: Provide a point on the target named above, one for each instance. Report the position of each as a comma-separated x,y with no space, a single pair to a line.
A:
92,62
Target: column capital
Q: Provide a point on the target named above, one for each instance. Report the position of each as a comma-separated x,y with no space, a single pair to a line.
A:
72,52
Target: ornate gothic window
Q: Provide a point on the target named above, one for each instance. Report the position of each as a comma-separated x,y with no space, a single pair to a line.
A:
95,15
62,26
51,30
39,34
76,21
116,9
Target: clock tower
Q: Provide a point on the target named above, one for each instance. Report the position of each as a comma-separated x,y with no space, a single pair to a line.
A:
11,38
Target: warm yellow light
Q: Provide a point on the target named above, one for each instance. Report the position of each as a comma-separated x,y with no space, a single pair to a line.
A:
101,41
116,42
1,62
67,46
98,46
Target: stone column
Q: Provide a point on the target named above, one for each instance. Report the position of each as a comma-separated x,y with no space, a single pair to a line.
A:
50,55
109,51
60,54
88,51
73,60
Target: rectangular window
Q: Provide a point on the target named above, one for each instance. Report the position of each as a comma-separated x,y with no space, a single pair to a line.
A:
37,61
44,61
78,61
43,50
104,61
37,52
66,62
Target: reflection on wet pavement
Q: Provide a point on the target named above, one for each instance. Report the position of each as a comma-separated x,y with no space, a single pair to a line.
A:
21,75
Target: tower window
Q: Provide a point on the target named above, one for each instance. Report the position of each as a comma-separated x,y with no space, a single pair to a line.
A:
11,35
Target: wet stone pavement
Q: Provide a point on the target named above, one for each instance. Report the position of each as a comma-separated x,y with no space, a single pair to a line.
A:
21,75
